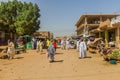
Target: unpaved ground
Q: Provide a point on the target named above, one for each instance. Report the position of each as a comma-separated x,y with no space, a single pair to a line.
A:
67,66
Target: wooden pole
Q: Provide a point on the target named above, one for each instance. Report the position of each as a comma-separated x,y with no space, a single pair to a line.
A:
106,38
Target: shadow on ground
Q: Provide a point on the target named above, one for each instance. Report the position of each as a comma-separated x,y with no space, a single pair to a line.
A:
55,53
88,57
18,57
58,53
85,57
58,60
43,53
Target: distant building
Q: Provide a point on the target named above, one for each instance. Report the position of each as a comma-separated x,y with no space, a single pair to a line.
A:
43,34
51,36
59,38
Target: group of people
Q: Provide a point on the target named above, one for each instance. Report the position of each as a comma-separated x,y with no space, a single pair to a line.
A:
51,49
51,46
65,44
39,46
80,46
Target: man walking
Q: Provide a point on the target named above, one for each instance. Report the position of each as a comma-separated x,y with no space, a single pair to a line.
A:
51,52
82,49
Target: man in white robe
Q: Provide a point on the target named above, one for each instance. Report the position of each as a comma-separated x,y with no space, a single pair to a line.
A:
77,45
82,49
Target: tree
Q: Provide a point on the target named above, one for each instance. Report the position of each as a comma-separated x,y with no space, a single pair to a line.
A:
20,18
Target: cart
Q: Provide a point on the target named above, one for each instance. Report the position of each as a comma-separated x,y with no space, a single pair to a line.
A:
24,42
94,47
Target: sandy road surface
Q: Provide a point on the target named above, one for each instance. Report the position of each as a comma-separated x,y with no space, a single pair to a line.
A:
67,66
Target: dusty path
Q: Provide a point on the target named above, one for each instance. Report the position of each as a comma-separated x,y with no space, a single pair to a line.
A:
35,66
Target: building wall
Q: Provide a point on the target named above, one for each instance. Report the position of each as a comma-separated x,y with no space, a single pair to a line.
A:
43,34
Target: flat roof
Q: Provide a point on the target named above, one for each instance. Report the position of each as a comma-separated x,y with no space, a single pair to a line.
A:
93,16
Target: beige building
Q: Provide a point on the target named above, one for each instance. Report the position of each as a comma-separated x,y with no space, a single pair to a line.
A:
102,25
51,35
43,34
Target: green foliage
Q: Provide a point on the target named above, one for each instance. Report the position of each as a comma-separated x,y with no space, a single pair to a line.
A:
115,54
21,18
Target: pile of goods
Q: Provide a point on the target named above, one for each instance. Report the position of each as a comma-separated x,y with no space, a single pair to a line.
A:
112,55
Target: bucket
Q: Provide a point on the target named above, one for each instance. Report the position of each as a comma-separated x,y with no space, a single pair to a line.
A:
113,61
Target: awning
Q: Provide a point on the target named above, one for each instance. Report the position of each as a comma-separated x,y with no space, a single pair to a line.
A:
95,30
105,25
75,37
97,40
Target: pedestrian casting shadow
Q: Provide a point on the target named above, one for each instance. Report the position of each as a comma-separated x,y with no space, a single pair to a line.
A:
18,57
58,53
58,60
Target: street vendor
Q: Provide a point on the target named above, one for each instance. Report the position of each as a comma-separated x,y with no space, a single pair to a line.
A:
111,54
11,50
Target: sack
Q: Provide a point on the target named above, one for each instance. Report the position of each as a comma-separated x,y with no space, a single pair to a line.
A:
47,55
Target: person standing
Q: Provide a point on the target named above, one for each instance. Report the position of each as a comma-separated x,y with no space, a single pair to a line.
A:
77,45
62,44
51,52
39,46
82,49
67,45
47,43
11,50
55,44
33,43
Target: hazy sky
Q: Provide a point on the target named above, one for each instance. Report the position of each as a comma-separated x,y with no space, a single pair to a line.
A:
60,16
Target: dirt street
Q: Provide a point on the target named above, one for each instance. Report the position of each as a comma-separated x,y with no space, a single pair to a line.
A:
67,66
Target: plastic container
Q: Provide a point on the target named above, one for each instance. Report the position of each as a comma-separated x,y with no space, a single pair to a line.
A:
113,61
28,46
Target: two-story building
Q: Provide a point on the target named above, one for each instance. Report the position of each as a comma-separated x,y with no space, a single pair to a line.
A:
99,24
